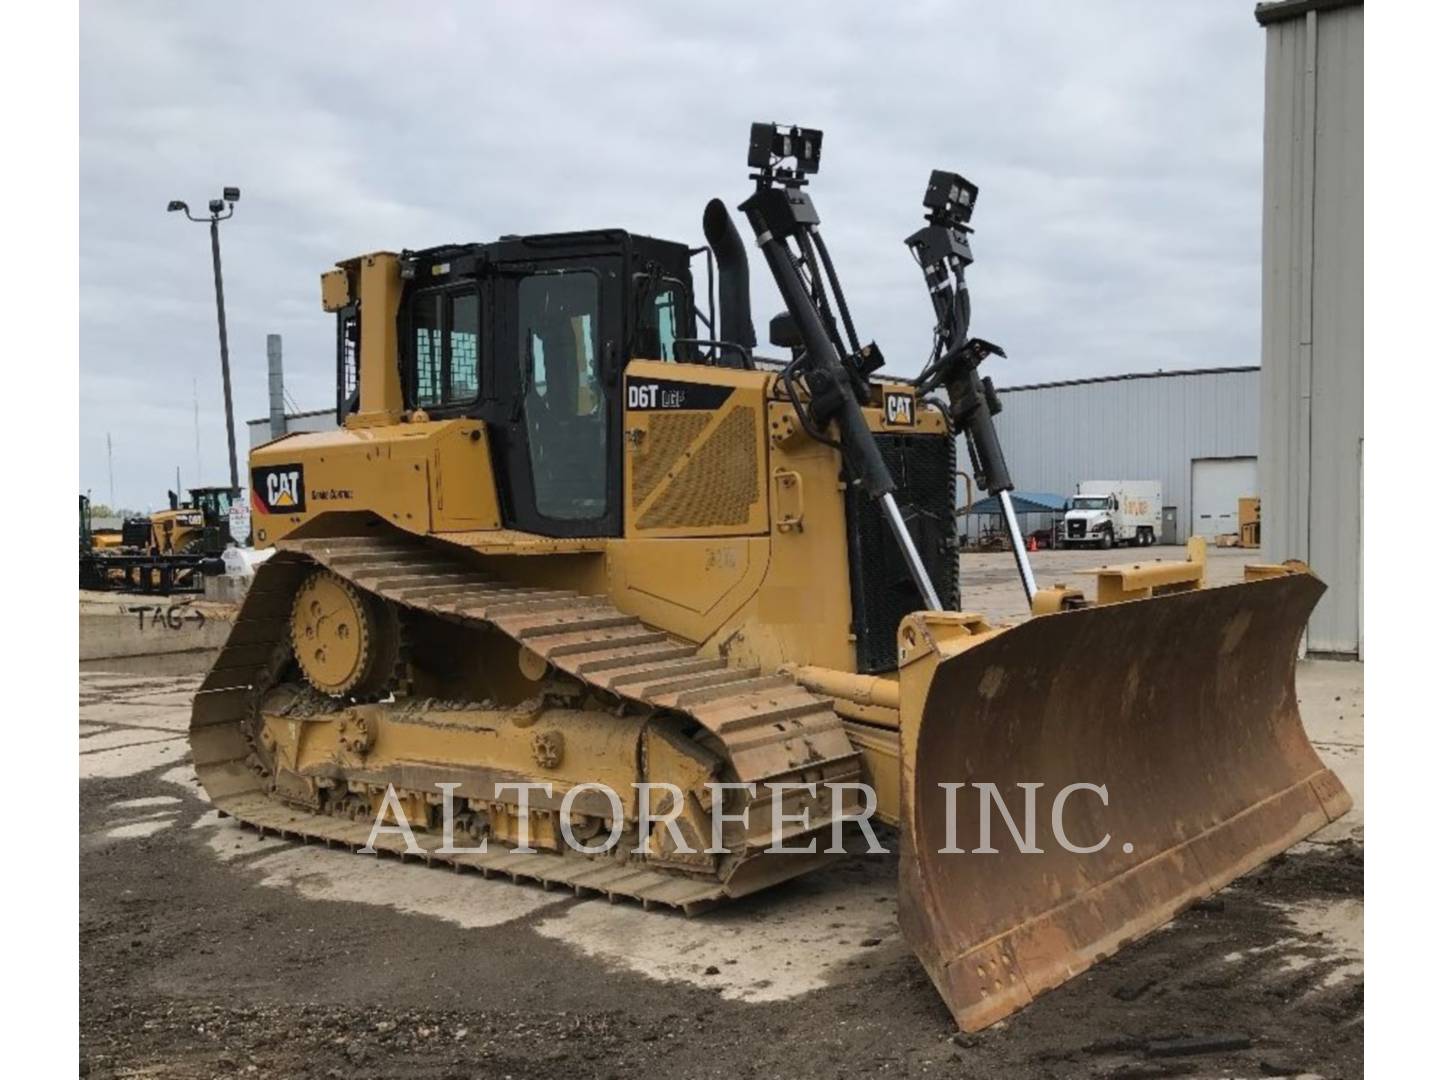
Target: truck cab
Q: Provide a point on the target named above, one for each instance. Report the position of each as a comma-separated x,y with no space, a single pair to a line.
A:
1104,513
1090,520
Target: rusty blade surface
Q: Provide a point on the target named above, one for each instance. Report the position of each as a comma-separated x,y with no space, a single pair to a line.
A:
1183,707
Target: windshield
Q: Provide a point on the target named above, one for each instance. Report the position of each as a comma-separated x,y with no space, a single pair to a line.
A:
215,504
1092,502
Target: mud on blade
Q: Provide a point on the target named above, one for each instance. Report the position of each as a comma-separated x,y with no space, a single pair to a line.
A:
1182,706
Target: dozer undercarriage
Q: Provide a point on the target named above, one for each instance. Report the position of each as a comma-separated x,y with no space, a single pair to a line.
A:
503,686
563,547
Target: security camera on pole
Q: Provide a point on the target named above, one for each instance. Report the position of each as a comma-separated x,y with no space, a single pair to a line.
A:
221,209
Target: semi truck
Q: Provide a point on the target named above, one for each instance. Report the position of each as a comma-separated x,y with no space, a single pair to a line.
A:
1104,513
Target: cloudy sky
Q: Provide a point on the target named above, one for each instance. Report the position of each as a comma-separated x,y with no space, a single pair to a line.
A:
1117,146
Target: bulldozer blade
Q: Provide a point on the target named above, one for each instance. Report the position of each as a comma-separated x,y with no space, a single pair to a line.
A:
1182,707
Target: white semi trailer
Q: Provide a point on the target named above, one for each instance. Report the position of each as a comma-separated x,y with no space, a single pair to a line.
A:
1104,513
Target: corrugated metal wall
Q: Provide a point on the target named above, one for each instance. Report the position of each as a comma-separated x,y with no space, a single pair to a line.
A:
1312,355
1129,428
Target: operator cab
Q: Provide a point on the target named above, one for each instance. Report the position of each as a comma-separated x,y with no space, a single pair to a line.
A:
214,502
531,335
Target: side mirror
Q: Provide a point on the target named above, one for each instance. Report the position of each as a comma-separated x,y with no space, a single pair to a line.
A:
785,333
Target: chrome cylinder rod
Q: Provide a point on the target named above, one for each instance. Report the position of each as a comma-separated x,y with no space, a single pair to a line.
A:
912,556
1017,544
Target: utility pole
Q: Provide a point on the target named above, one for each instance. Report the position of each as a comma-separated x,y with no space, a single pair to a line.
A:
195,394
110,464
224,345
221,209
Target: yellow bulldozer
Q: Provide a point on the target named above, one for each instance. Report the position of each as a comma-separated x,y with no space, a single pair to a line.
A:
584,593
195,527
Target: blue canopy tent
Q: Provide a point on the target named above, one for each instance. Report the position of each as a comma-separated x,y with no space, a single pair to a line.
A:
1026,502
1037,510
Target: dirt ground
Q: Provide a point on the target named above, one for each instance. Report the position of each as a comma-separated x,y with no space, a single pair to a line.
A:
207,952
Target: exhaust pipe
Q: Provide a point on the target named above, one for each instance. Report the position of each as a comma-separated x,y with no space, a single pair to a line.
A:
733,268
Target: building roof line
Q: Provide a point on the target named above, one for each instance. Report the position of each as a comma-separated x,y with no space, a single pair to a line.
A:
1130,375
1279,10
294,415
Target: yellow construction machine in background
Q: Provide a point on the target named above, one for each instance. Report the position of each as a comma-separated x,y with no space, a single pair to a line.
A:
167,552
197,527
572,532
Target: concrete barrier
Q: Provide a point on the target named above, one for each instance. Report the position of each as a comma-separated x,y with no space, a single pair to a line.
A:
117,626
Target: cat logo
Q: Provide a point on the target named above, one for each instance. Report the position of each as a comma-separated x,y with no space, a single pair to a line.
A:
279,489
899,409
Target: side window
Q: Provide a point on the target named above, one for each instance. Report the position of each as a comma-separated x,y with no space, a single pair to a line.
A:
660,317
464,357
445,342
425,323
667,321
347,362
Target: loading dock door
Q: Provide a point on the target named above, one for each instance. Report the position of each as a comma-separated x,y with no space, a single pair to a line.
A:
1216,487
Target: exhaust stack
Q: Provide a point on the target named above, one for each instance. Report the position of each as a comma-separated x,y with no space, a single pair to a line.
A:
277,385
733,267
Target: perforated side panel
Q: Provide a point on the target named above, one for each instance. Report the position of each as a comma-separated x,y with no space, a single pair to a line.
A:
719,484
670,435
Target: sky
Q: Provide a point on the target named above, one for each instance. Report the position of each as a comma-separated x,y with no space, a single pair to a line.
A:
1117,148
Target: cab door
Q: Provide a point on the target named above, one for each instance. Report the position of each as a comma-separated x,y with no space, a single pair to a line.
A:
557,369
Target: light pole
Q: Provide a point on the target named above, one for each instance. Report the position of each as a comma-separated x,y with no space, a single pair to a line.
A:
221,209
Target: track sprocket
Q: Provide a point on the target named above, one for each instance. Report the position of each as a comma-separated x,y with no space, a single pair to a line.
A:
346,642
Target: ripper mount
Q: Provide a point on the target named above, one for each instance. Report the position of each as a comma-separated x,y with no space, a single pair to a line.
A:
942,248
835,369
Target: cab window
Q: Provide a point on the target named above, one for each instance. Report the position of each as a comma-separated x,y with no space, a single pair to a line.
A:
445,343
660,317
463,349
564,395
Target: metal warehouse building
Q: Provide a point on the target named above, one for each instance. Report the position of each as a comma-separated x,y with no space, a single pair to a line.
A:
310,420
1196,432
1312,430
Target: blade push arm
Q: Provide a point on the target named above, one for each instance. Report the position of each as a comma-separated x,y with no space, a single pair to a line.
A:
942,248
782,215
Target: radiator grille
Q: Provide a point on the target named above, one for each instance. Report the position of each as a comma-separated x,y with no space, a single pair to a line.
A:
669,436
720,483
881,590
